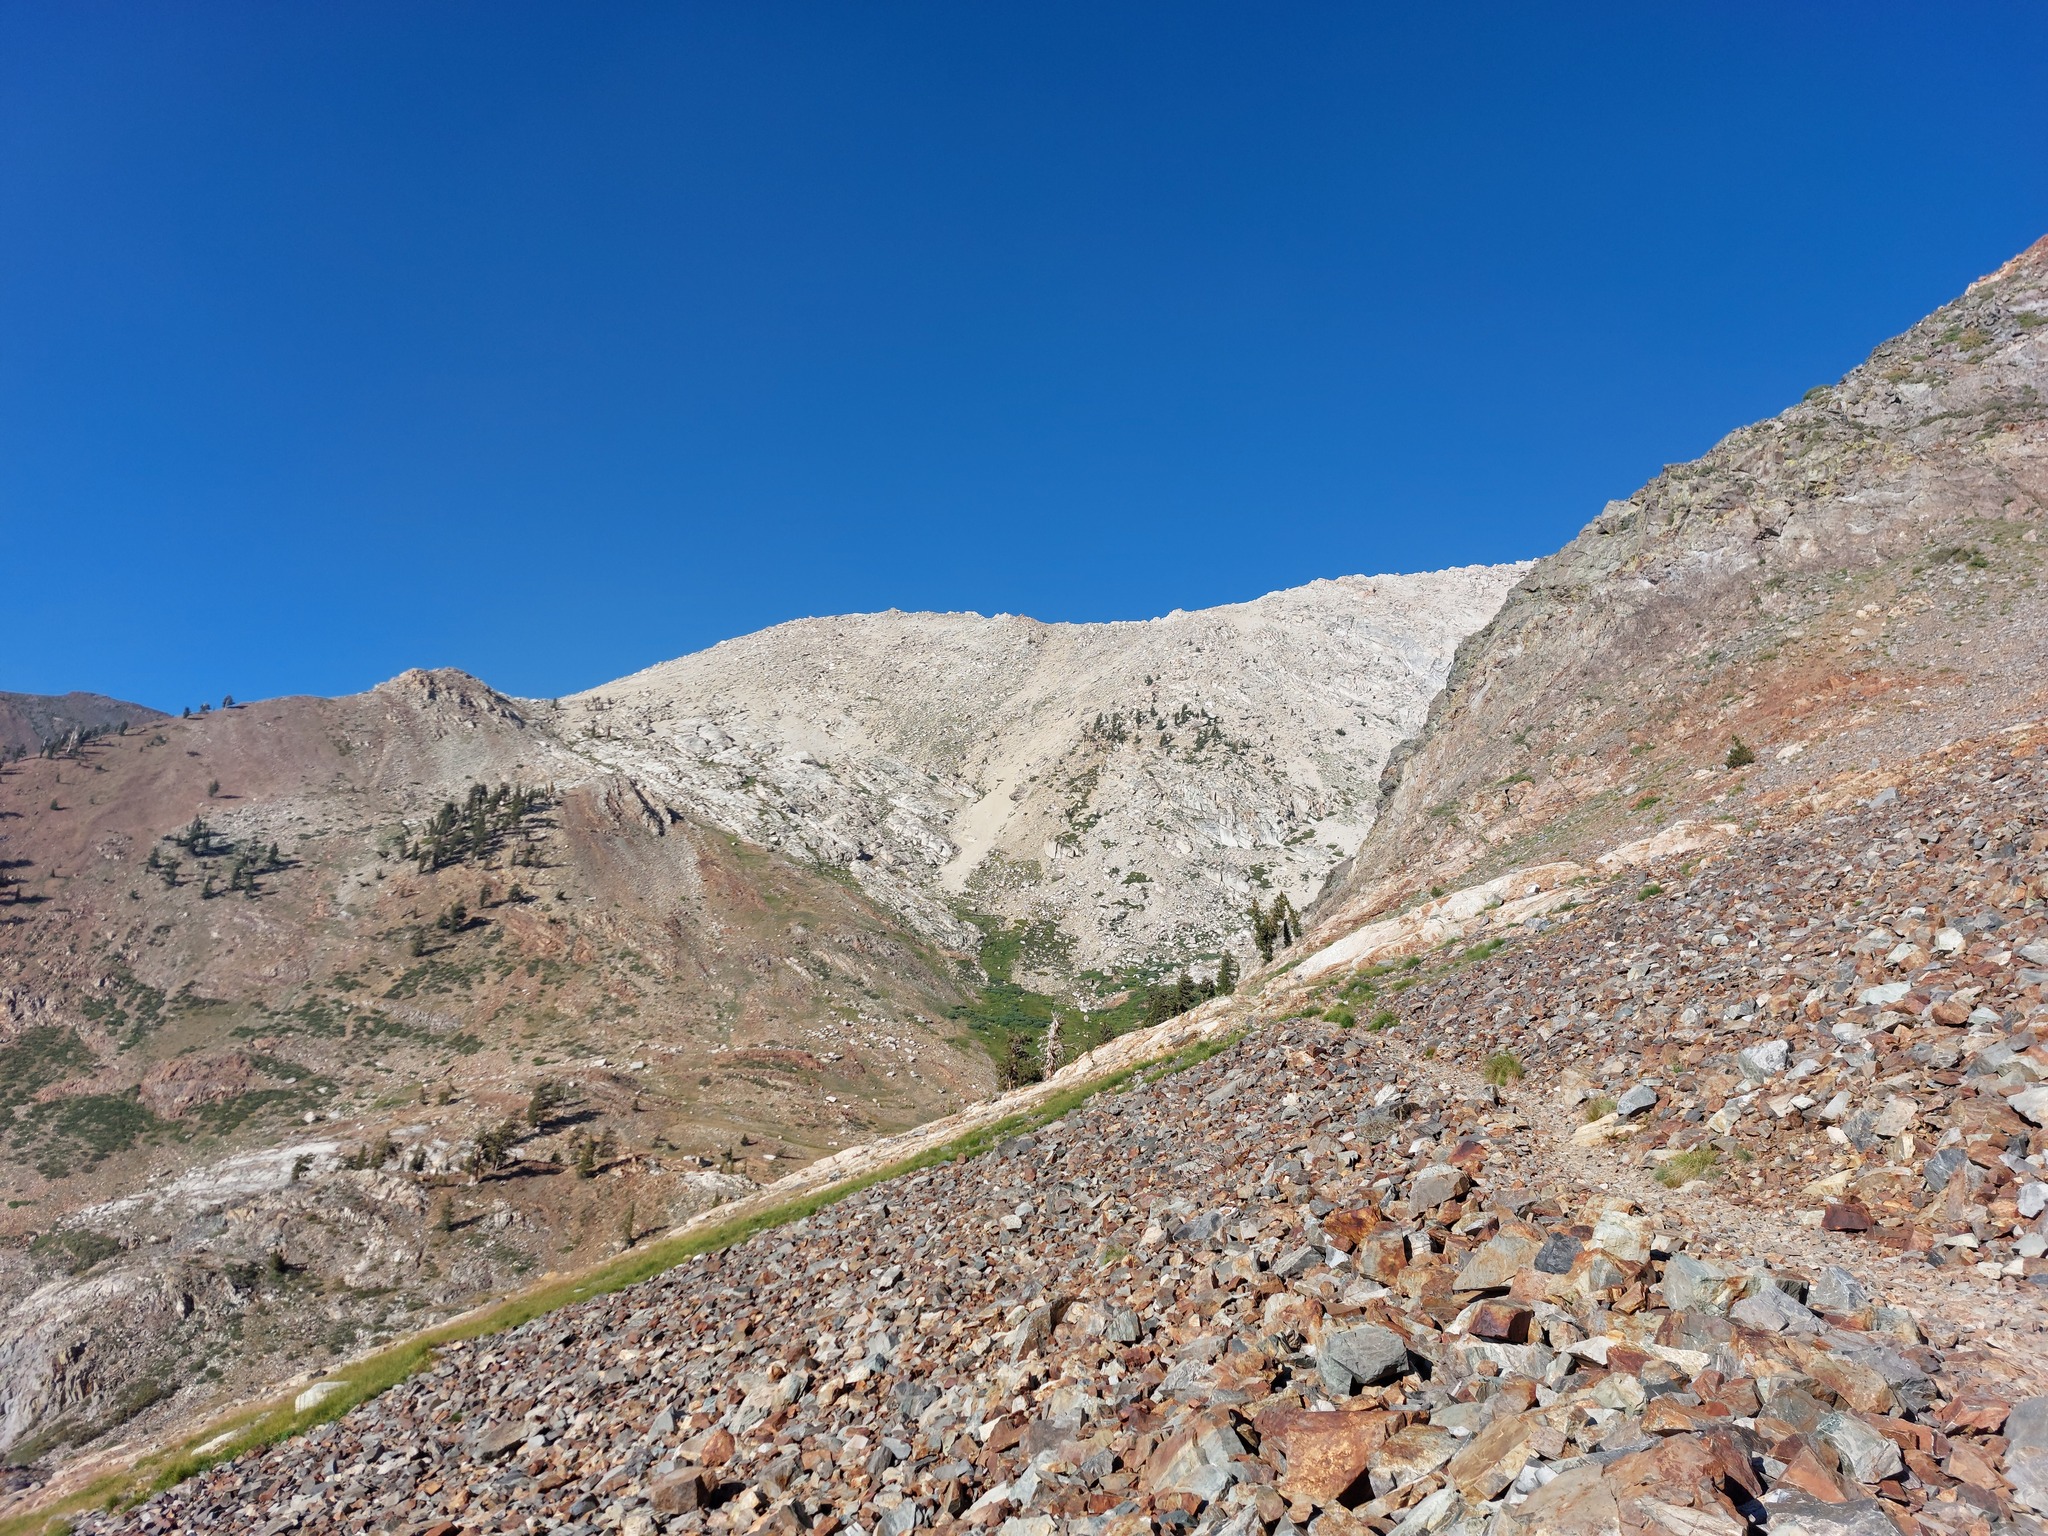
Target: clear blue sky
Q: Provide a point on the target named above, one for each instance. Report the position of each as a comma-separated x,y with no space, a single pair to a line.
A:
553,341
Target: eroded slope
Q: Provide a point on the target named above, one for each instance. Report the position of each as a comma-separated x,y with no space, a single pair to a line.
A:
1857,579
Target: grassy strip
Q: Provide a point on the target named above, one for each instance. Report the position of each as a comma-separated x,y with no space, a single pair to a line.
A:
365,1378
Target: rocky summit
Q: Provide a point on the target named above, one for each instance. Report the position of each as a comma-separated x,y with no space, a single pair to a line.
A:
1132,787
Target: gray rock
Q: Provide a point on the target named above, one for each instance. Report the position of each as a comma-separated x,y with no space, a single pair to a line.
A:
1200,1229
1836,1290
1866,1455
1765,1060
2026,1454
1363,1356
501,1439
1799,1514
2033,1104
2033,1198
1913,1387
1298,1262
1772,1311
1559,1252
1436,1184
1638,1100
1693,1285
1935,1171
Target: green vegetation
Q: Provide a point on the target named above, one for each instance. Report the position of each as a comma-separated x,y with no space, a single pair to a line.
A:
1275,926
1384,1020
1013,1023
74,1249
126,1009
494,1145
1687,1166
1501,1068
1340,1016
77,1133
251,860
1960,554
1599,1109
471,832
37,1058
1651,890
1740,754
1010,1020
548,1099
1485,949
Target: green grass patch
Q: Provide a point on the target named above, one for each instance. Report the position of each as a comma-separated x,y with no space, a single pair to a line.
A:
1687,1166
1501,1068
1599,1109
1382,1021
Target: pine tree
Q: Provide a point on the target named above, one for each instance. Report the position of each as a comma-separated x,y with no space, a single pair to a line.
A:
1226,975
1286,921
1264,927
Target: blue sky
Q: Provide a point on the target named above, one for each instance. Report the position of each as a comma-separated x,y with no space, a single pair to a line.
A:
553,341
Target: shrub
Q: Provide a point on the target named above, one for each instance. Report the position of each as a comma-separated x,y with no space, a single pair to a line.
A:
1648,891
1340,1015
1501,1069
1740,754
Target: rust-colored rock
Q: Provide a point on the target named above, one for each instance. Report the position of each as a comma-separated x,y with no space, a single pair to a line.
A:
1845,1216
1324,1454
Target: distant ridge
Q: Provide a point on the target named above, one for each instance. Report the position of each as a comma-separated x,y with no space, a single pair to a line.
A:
28,720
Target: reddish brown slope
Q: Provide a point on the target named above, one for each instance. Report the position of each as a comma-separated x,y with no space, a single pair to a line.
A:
170,1047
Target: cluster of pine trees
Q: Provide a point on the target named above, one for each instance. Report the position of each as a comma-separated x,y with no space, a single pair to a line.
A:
1170,999
1118,727
475,829
73,743
1273,927
251,861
